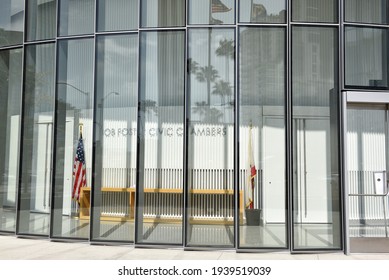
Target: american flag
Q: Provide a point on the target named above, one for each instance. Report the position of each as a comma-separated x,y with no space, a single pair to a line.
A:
79,170
219,7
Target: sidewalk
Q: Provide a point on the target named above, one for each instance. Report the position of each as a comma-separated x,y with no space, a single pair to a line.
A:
13,248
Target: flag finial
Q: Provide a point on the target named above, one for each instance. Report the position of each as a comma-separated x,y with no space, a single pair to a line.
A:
81,126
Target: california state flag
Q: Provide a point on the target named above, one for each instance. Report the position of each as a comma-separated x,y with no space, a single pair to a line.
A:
252,172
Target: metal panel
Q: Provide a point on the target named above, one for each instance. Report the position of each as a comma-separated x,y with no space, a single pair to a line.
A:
367,97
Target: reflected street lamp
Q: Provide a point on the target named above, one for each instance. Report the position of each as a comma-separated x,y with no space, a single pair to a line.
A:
74,87
100,105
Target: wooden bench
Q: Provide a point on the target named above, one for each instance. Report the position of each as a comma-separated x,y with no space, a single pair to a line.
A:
85,204
86,193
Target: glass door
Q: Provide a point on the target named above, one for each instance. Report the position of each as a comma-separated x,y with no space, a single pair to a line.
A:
311,201
367,165
315,193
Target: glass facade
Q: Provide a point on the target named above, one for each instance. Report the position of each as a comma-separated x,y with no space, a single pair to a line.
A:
262,131
315,152
10,94
195,124
262,11
76,17
366,11
11,22
115,136
366,57
211,11
36,140
315,10
210,179
73,121
41,20
162,13
113,15
160,132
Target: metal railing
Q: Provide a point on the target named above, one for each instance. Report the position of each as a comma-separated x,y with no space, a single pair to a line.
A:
383,196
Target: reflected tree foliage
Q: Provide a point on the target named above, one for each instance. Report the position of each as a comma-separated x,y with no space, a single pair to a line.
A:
226,48
206,113
224,90
209,74
193,66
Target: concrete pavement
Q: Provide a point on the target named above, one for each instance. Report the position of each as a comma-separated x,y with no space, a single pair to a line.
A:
13,248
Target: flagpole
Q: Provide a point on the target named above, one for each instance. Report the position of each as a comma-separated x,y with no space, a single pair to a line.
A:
80,126
209,56
251,151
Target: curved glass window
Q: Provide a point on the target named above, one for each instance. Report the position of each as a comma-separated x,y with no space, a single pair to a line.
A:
366,57
10,96
262,149
211,188
76,17
74,123
161,138
189,123
11,22
36,140
162,13
262,11
115,141
367,11
113,15
211,11
41,19
315,105
315,10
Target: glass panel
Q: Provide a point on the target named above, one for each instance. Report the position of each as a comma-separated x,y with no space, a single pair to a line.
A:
41,19
10,91
368,11
315,10
161,124
76,17
163,13
211,11
366,57
211,138
11,22
74,122
37,135
117,15
115,137
271,11
367,153
316,191
262,138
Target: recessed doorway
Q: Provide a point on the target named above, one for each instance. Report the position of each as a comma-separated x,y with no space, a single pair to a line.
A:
367,173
